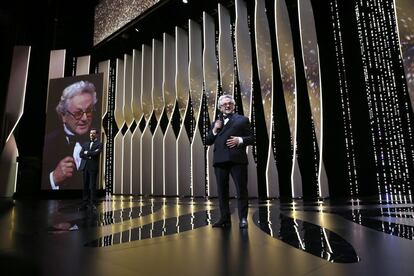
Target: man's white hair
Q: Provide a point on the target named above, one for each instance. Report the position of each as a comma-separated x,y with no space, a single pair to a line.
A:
226,96
73,90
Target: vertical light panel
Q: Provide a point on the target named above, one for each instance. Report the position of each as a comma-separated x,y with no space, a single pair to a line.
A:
264,59
181,77
157,63
83,64
128,117
127,107
170,150
136,85
138,116
225,50
182,88
226,61
210,64
168,84
265,70
147,108
8,167
211,88
310,53
56,67
196,92
119,119
16,93
287,69
146,81
244,56
158,103
244,67
104,68
195,66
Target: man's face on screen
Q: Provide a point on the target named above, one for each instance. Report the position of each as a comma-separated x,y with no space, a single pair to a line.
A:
79,115
92,134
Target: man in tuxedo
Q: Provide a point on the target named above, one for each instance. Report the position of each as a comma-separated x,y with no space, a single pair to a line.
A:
90,166
61,159
230,134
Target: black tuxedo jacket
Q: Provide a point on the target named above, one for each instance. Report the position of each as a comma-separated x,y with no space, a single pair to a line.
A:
237,125
57,147
90,159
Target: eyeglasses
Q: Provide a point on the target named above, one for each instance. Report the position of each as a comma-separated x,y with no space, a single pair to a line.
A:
227,104
79,114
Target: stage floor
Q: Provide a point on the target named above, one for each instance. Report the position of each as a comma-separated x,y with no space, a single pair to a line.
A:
173,236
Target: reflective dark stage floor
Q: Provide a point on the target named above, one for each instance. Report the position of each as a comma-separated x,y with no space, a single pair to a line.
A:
157,236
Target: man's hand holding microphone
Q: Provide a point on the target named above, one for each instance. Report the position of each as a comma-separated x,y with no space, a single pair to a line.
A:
233,141
218,124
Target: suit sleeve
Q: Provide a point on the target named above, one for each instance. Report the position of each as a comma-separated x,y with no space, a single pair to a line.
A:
248,137
82,153
96,151
210,136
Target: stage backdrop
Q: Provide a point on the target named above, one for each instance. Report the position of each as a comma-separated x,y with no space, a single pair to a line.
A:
67,128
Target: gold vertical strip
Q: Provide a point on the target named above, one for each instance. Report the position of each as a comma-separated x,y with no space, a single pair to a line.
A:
138,116
196,92
147,107
287,69
128,117
169,157
119,119
182,87
159,104
265,69
310,53
211,88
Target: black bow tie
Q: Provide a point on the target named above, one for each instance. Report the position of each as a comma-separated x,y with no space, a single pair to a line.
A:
227,116
73,139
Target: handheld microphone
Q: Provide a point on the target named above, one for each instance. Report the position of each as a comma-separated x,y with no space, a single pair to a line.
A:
220,117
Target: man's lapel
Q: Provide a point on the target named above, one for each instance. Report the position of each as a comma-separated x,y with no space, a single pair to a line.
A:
94,144
228,125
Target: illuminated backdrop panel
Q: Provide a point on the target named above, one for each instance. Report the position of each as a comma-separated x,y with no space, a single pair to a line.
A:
111,15
235,54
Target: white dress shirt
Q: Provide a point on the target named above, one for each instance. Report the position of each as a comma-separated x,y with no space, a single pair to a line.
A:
76,150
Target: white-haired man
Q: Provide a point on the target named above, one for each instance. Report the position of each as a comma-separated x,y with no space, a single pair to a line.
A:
230,134
62,146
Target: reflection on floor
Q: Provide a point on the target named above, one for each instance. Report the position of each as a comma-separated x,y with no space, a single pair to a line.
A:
171,236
